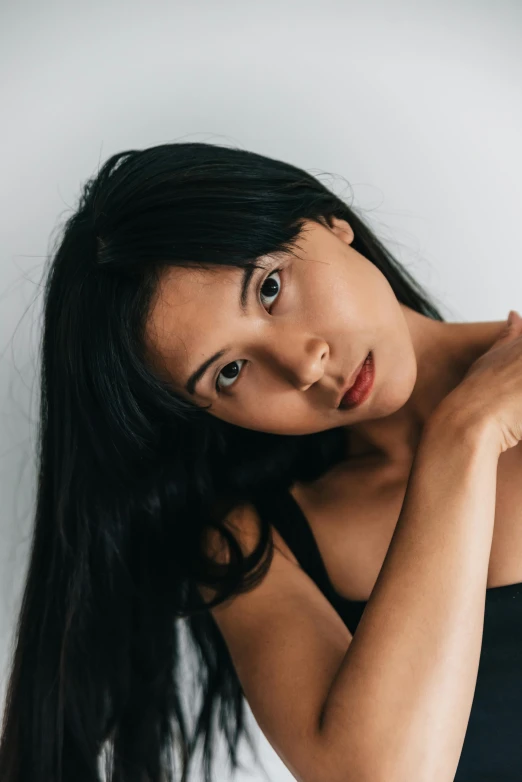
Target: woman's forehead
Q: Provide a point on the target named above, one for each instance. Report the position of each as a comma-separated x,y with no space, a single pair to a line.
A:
185,292
189,305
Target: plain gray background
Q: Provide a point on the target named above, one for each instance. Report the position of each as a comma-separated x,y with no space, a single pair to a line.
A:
411,111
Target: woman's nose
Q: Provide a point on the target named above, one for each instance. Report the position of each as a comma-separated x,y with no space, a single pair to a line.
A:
303,359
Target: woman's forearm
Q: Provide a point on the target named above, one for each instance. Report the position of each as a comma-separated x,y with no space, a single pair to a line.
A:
399,705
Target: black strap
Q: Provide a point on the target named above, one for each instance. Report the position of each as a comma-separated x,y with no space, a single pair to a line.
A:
280,509
284,512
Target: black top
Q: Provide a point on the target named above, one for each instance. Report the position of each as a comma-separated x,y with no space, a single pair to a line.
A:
492,750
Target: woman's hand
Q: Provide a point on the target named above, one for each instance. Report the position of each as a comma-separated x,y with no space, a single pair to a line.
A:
490,393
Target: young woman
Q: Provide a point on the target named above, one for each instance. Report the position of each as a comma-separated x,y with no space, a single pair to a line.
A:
255,426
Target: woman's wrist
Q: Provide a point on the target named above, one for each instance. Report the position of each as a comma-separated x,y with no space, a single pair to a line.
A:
459,423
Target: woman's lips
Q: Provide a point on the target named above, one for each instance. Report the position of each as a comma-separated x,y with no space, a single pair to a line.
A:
352,379
361,387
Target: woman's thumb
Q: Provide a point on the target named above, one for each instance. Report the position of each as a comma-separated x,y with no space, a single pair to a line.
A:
509,330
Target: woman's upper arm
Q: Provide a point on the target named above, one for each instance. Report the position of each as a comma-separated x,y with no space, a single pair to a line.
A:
287,643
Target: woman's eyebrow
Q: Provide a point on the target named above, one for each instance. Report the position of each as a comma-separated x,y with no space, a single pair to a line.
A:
244,293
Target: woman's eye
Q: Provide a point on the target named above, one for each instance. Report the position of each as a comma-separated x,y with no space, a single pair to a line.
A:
272,287
232,371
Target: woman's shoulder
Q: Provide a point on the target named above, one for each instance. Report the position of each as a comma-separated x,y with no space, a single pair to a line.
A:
245,524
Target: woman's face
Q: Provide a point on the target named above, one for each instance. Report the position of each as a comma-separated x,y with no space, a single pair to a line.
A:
287,357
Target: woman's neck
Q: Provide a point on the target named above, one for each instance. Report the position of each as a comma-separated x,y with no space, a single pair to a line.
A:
444,352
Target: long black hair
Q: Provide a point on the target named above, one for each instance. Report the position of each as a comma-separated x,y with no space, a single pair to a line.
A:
131,476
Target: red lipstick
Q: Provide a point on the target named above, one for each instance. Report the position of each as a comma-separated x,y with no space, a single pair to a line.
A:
362,386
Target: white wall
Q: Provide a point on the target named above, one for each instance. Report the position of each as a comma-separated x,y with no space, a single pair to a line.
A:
415,108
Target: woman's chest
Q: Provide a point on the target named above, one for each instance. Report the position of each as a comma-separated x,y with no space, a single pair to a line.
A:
353,518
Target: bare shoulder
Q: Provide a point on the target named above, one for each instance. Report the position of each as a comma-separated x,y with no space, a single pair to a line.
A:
244,523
